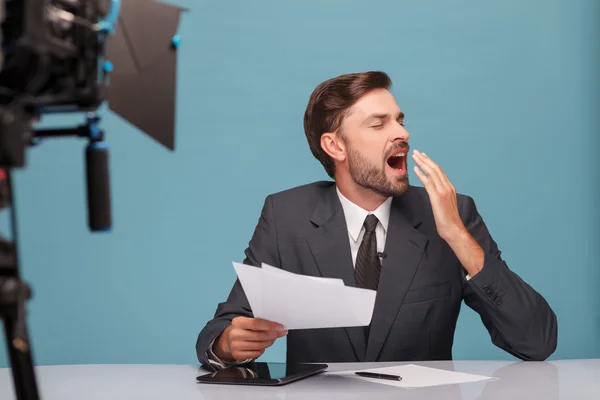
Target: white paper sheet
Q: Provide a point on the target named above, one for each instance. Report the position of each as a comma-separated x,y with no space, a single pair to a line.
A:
291,274
300,303
415,376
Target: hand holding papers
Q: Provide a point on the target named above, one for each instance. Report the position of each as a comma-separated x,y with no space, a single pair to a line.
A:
304,302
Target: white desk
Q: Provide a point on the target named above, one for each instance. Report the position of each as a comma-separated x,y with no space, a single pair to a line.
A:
569,379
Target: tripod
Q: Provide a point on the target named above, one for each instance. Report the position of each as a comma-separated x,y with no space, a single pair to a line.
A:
14,292
13,295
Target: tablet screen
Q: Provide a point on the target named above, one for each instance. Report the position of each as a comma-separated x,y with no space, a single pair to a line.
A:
262,372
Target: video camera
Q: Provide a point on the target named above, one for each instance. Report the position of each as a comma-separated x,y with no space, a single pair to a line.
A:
57,56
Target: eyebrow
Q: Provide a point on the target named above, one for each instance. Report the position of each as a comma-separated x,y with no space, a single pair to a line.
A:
382,116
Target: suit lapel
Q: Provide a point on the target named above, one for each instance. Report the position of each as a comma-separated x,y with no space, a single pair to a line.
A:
330,248
404,248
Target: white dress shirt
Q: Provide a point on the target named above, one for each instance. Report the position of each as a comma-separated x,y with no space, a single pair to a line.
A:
355,218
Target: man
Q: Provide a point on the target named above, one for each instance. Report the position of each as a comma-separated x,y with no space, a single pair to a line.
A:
424,250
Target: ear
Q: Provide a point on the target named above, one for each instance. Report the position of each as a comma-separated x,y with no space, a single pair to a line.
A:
334,146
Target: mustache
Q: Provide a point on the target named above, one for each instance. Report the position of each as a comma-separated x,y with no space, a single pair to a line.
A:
398,146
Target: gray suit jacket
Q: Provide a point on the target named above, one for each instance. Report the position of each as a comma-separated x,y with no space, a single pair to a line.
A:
422,284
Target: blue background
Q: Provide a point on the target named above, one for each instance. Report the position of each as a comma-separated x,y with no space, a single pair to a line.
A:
504,95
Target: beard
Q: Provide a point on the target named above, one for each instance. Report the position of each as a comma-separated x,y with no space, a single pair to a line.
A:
373,178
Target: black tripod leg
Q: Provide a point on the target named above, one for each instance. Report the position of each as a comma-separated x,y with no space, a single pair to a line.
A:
13,295
20,360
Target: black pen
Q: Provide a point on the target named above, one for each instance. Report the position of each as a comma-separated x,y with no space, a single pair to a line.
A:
379,376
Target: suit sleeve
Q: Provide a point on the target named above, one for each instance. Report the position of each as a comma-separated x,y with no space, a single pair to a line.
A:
518,319
262,248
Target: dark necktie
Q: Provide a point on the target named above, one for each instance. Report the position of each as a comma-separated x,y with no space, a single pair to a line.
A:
367,269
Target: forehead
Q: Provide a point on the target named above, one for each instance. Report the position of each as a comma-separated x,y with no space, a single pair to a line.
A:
378,101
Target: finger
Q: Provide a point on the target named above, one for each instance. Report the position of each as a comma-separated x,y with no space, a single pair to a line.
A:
256,336
427,165
431,169
252,346
264,325
443,177
437,168
423,178
257,324
425,170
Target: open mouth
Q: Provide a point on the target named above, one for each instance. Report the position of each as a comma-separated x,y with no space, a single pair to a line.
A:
397,161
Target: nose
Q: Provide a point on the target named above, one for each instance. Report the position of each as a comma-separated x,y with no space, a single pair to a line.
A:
399,133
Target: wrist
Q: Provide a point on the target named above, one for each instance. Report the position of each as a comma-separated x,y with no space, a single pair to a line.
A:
222,348
456,236
468,251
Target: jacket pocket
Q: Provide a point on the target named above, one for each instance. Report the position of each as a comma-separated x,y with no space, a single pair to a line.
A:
426,293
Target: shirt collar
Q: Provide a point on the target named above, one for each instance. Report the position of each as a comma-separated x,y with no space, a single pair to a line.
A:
355,215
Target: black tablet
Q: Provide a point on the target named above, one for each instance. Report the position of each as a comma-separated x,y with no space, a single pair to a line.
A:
262,374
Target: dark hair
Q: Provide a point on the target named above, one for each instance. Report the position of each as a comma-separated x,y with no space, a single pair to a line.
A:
329,104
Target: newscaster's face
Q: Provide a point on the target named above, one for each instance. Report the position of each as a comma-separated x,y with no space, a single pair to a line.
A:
376,144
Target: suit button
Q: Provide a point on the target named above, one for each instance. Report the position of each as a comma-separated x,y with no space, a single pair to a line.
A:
497,300
487,289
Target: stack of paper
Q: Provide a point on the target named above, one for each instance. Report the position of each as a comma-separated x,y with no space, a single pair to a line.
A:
304,302
415,376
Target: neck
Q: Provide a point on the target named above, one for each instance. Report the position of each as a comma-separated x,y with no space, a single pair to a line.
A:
362,197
